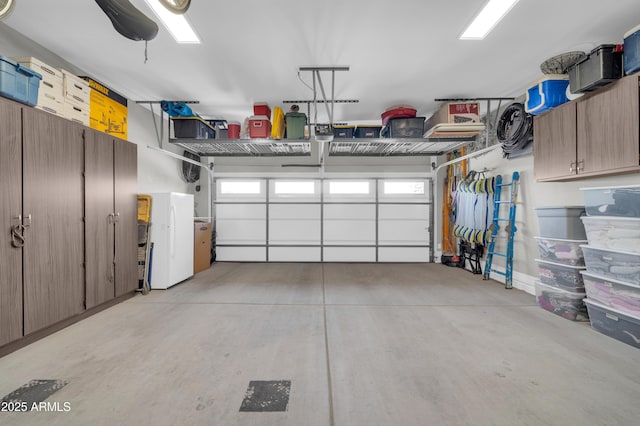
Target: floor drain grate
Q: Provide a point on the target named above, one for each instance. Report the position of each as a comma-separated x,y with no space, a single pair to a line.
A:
35,392
266,395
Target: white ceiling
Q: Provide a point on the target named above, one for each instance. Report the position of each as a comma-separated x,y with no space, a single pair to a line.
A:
399,52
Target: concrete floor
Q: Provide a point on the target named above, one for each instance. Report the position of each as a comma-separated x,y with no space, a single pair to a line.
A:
418,344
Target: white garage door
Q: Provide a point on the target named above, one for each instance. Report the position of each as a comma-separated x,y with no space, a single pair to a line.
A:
323,220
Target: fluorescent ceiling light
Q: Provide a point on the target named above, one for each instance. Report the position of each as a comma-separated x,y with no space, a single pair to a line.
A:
487,19
176,24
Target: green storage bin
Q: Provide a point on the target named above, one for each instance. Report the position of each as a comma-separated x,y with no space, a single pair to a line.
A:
295,124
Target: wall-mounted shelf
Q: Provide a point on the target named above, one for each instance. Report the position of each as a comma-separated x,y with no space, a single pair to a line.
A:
396,147
337,148
245,147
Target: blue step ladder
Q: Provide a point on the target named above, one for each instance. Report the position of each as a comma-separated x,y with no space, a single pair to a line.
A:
510,228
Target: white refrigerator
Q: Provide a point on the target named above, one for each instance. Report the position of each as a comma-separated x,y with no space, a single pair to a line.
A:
172,237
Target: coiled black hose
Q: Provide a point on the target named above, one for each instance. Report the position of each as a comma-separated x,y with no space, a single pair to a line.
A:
515,131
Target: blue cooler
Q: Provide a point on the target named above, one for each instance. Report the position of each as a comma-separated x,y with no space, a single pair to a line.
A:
632,51
547,93
18,82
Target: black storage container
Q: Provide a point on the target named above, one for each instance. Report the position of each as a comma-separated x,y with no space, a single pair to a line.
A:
601,67
343,132
411,127
192,128
366,131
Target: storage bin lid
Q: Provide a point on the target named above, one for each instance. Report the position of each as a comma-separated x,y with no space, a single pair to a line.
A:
373,126
560,239
609,279
608,250
344,127
610,219
599,188
259,117
560,211
547,77
560,290
296,114
578,268
8,60
632,31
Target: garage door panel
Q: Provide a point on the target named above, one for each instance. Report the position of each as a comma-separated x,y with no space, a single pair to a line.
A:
349,254
241,254
403,254
294,254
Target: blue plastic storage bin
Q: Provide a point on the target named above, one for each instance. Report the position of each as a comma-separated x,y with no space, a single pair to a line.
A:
632,51
18,83
547,93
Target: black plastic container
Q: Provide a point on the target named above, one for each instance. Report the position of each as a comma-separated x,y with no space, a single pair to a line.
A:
365,131
192,128
343,132
601,67
411,127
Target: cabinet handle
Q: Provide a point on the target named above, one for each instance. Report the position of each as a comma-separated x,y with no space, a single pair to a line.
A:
17,236
116,217
571,167
27,221
581,166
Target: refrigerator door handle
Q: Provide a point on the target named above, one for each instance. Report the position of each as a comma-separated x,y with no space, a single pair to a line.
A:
172,225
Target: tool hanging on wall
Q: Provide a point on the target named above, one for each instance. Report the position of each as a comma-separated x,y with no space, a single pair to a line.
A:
515,131
510,228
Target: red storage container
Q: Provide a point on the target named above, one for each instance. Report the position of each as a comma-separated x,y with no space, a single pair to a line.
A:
259,127
399,111
233,130
262,108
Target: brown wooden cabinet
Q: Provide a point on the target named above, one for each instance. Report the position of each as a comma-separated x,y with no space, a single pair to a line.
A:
10,210
53,253
597,134
126,208
68,213
111,217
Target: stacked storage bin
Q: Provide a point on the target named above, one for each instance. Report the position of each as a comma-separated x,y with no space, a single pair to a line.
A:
50,94
612,278
77,96
560,289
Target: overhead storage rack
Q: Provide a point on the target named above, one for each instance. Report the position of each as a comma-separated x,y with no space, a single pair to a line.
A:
245,147
354,147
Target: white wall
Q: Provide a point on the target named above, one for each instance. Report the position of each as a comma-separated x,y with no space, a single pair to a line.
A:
156,172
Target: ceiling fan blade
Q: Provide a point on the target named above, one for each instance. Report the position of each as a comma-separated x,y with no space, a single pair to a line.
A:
179,7
6,6
128,20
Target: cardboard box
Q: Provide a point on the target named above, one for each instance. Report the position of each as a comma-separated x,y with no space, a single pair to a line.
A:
455,113
108,109
202,246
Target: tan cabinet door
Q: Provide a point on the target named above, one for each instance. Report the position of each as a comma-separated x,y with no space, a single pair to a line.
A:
554,145
99,218
10,208
126,209
608,128
53,163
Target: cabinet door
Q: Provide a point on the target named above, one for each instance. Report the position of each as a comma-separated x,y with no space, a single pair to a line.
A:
608,127
10,208
554,147
99,219
53,163
126,208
